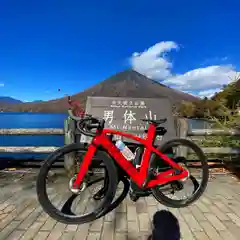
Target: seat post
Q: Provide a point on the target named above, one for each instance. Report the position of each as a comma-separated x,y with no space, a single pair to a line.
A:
151,133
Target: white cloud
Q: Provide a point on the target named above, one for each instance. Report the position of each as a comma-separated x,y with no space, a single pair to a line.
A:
1,84
208,93
202,81
153,62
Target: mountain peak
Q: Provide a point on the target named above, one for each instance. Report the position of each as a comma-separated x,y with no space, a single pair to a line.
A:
131,75
128,74
9,100
127,83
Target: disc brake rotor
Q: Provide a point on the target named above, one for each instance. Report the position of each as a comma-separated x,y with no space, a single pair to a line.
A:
82,187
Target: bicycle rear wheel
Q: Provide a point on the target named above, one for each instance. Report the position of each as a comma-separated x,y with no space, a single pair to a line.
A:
199,160
65,215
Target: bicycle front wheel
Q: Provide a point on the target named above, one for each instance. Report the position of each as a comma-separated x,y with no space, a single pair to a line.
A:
190,156
61,208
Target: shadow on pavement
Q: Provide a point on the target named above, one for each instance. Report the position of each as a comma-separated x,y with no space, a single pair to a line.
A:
165,226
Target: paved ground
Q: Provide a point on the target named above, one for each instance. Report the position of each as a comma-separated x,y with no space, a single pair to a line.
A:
215,216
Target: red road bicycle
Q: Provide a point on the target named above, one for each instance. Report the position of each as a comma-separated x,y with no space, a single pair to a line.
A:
146,179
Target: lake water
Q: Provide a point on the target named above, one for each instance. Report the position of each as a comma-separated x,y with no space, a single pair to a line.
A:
31,120
39,120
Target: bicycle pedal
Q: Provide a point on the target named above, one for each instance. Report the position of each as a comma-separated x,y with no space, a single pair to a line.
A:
133,196
99,195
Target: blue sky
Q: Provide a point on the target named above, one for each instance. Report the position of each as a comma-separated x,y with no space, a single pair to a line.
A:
71,45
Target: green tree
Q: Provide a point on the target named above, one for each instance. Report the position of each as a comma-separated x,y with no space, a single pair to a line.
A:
230,95
187,109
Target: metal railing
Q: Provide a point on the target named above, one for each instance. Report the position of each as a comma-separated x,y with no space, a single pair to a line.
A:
194,134
70,135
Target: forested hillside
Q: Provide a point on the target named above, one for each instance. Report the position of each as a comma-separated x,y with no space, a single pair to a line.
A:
223,105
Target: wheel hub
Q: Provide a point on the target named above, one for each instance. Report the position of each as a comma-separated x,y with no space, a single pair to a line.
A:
177,186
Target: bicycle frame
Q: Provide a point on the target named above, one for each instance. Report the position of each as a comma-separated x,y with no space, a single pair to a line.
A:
138,176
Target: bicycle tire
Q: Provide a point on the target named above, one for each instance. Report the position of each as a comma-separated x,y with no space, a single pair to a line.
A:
159,195
56,214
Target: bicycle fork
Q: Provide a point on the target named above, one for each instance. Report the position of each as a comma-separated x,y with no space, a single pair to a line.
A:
77,182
